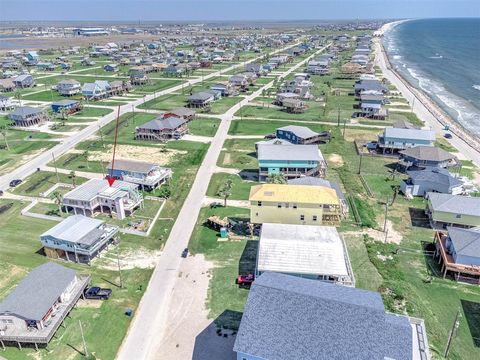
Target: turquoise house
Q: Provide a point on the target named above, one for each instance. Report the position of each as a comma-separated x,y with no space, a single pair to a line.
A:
293,161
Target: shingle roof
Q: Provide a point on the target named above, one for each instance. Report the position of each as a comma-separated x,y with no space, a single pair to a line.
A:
431,153
293,194
287,317
457,204
289,153
76,229
300,131
26,110
437,176
200,96
65,102
159,123
465,241
131,165
37,292
182,111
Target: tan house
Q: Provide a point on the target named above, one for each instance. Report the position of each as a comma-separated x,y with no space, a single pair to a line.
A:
294,204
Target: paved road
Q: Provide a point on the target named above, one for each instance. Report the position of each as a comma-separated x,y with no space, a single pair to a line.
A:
41,160
148,326
421,110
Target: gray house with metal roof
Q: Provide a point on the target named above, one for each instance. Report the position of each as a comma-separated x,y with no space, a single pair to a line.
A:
78,238
146,175
121,199
427,157
200,99
452,210
396,139
300,135
25,116
36,307
287,317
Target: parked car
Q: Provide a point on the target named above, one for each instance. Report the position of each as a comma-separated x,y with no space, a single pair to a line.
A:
15,182
97,293
185,253
447,136
245,279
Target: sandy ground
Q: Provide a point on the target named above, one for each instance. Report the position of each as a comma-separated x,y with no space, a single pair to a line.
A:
140,258
393,236
335,160
207,200
144,153
189,333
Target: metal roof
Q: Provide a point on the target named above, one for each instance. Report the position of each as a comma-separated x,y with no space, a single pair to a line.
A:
38,291
287,317
65,102
170,123
26,111
289,153
437,176
456,204
76,229
200,96
302,249
465,241
414,134
315,181
93,187
132,165
299,131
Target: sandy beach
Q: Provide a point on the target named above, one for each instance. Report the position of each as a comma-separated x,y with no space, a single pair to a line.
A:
424,107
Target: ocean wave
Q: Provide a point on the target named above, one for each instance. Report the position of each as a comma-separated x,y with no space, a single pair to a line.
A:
476,87
436,57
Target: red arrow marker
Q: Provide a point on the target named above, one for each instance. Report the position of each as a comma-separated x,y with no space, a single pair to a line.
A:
110,177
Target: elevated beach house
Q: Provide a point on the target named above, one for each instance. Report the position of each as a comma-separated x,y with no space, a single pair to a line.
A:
420,182
25,116
146,175
294,204
287,317
121,199
78,238
200,99
68,87
181,112
395,139
93,91
292,161
452,210
160,129
423,157
34,310
300,135
24,81
308,251
66,105
458,250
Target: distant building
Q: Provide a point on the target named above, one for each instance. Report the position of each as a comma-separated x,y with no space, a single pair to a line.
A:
200,99
121,198
287,317
24,81
422,157
308,251
294,204
34,310
90,31
68,87
146,175
78,238
25,116
69,106
160,129
299,135
6,103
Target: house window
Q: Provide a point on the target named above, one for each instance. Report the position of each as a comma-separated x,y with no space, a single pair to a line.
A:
279,205
458,216
314,217
259,203
294,206
302,217
256,214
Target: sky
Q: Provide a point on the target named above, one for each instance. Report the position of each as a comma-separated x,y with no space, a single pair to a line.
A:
198,10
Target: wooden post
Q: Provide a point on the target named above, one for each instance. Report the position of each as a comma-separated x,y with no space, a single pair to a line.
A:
386,216
36,347
360,165
19,345
3,345
83,340
455,325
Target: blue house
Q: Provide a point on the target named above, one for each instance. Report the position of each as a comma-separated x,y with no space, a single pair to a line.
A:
32,57
70,106
421,182
292,161
287,317
93,91
24,81
395,139
111,67
300,135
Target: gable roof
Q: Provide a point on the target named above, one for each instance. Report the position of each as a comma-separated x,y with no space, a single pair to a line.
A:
300,131
287,317
431,153
65,102
76,229
316,181
36,293
465,241
170,123
26,110
131,165
414,134
200,96
457,204
289,153
437,176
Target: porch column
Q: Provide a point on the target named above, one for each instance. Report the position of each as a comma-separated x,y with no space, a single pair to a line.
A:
445,272
19,345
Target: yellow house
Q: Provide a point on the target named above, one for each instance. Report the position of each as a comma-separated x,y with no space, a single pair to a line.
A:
294,204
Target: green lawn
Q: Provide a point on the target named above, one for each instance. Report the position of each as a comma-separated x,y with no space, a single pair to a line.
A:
240,188
91,112
240,154
41,181
203,126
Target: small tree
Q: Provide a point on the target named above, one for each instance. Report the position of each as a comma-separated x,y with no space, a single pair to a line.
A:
226,191
277,179
85,155
73,176
4,130
58,198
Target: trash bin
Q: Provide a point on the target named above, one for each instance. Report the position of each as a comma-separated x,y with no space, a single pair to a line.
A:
128,312
223,232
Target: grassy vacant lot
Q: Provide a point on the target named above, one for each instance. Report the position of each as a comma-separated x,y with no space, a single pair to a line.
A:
264,127
230,258
240,188
91,112
20,253
203,126
239,154
41,181
47,95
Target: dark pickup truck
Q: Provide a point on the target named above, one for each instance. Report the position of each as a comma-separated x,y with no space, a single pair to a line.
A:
97,293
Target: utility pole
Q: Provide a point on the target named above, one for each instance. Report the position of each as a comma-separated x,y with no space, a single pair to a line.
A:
133,116
344,125
85,350
455,326
101,136
55,165
338,116
386,215
119,269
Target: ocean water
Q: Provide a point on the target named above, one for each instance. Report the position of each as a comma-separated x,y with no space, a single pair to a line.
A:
442,57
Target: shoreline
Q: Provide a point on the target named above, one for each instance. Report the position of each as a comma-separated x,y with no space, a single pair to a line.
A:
437,118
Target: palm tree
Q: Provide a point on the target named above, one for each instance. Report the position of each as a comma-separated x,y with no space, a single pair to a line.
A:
277,179
73,176
85,155
226,191
58,200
